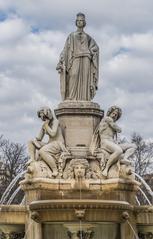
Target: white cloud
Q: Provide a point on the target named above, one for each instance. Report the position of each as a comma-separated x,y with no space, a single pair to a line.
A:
132,15
4,5
12,30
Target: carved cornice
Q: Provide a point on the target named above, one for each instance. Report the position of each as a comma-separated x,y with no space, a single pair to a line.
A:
79,204
13,208
78,104
79,111
81,108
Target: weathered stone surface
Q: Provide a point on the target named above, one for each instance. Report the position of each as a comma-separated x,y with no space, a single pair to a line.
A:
114,156
78,121
10,231
75,231
111,189
51,153
12,235
13,214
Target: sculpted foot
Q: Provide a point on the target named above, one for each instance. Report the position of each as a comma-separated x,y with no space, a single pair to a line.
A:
55,173
30,161
105,172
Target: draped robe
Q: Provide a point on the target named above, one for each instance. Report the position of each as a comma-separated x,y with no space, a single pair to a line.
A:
80,62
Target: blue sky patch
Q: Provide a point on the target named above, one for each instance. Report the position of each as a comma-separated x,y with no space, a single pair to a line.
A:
3,16
122,50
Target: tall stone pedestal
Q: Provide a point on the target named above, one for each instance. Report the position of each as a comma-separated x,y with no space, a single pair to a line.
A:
78,120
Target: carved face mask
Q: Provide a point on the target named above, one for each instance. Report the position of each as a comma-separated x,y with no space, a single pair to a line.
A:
79,171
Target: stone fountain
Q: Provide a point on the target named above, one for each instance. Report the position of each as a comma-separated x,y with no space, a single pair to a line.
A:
81,183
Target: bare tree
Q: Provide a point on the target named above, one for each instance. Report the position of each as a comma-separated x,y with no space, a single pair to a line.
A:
14,157
143,155
143,164
2,141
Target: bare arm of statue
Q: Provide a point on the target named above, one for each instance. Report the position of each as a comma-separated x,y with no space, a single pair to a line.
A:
41,134
51,131
112,124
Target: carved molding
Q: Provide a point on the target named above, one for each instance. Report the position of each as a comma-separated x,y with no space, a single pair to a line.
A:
86,112
85,234
79,108
80,235
12,235
145,235
13,208
144,209
78,104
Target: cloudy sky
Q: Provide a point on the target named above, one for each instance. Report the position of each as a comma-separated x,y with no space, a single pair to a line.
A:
32,35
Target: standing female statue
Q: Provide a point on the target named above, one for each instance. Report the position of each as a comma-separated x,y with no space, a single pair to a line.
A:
79,64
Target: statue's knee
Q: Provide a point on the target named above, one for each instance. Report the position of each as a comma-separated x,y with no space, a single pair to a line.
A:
119,151
30,143
41,152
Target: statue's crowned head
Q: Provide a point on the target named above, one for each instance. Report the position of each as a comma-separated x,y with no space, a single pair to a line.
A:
45,113
114,112
80,20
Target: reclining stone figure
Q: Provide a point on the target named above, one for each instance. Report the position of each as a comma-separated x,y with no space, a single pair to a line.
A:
105,139
52,151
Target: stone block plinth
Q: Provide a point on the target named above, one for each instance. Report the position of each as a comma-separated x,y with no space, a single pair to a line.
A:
78,120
